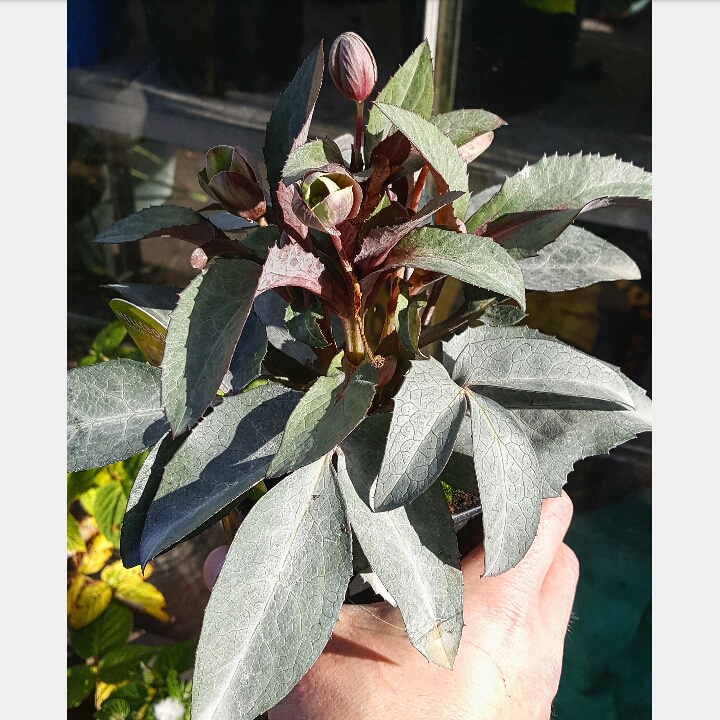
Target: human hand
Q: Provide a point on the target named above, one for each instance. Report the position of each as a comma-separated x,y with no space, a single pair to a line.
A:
508,664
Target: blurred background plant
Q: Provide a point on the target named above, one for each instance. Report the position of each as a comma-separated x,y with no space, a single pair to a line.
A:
111,675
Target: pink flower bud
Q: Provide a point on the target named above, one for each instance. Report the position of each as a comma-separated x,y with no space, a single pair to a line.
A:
352,66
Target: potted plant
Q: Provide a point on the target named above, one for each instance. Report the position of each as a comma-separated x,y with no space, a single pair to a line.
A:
295,366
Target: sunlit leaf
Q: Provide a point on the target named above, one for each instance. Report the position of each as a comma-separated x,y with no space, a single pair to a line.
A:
411,87
274,610
412,549
426,418
113,412
520,367
99,551
436,148
310,156
326,415
561,183
510,484
110,630
475,260
576,259
147,332
91,601
75,542
463,126
203,333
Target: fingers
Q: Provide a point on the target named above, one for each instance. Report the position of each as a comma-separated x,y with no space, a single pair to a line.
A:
558,592
555,516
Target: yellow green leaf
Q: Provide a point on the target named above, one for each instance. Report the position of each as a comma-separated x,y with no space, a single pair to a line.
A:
93,598
75,542
99,552
145,330
144,596
87,500
116,574
103,691
115,471
76,585
129,585
78,482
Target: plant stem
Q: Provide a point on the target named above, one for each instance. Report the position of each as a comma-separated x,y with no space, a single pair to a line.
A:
228,528
391,305
417,190
437,332
354,347
357,164
432,302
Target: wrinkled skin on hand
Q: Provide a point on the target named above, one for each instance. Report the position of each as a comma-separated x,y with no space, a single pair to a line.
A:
510,657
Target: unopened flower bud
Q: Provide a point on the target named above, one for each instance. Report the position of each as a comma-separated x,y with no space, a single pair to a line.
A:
327,197
231,177
352,66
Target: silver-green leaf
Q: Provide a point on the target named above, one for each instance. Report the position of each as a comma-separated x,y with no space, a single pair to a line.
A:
226,454
412,549
560,183
203,333
290,119
310,156
246,362
277,598
160,221
462,126
562,437
411,88
141,495
271,309
113,412
520,367
437,149
459,472
502,316
429,408
328,412
509,481
577,258
475,260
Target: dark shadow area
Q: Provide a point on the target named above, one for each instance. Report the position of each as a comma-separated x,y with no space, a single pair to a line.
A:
201,502
341,646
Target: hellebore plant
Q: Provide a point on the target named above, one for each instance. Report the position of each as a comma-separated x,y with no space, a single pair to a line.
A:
295,366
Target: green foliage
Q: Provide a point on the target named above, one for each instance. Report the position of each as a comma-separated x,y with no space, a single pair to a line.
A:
262,372
107,344
127,678
553,7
